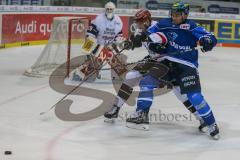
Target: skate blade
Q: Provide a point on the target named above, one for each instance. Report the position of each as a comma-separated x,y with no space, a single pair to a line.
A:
204,130
144,127
112,120
216,137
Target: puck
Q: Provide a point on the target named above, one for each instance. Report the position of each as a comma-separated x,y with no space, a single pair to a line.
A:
8,152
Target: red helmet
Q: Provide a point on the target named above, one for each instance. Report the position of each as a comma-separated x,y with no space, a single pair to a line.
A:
142,15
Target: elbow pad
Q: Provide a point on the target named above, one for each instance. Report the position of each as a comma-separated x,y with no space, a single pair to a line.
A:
158,37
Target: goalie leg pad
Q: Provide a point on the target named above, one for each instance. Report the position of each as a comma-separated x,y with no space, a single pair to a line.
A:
125,91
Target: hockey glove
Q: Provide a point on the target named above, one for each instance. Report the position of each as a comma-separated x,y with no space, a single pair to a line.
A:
149,58
138,39
156,47
127,44
206,43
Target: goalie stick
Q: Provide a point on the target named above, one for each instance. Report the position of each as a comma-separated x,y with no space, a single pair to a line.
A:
84,80
89,75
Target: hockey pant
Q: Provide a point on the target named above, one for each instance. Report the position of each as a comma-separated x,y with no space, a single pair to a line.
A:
133,77
145,98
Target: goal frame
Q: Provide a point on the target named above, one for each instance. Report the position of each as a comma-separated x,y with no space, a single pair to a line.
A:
43,67
70,40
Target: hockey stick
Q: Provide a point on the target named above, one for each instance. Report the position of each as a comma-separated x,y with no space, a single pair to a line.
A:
84,80
147,59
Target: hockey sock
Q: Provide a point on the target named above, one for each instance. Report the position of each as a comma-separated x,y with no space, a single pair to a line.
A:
145,98
202,107
191,108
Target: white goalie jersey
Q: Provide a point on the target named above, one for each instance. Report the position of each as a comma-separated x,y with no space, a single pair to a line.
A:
104,30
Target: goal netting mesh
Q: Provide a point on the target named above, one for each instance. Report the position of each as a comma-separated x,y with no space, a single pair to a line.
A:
65,43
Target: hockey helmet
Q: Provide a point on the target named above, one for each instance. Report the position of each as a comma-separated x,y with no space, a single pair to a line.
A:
109,10
180,7
142,15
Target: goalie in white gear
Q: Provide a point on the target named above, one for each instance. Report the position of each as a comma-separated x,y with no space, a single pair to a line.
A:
144,21
105,29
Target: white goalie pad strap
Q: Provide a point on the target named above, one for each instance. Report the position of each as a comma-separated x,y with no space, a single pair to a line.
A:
77,73
158,37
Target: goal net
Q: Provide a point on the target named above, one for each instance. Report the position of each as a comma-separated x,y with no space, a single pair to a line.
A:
65,43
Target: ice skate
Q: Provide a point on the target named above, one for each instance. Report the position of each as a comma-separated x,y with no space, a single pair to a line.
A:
138,120
112,115
214,132
203,127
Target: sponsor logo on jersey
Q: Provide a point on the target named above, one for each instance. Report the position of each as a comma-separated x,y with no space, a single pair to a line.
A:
179,47
109,31
172,36
185,26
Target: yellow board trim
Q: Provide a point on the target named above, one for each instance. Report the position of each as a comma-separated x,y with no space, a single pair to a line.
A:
31,43
20,44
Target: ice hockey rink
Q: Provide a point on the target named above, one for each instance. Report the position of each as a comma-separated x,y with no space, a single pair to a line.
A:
30,136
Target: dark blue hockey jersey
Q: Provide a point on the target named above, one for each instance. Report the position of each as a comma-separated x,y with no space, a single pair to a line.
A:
181,39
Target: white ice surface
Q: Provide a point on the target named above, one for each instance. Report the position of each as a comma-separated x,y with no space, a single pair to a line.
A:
33,137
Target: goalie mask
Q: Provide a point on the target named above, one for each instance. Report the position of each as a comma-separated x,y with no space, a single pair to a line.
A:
143,19
109,10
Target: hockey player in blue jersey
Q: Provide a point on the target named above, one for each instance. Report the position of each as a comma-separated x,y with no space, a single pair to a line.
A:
143,21
182,60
